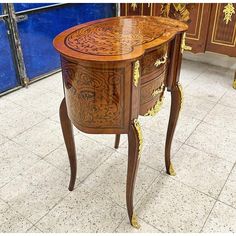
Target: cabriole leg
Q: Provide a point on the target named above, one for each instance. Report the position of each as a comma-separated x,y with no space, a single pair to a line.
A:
176,103
67,130
135,145
117,141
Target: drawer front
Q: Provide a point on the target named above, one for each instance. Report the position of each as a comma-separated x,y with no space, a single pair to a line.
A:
151,95
154,60
152,89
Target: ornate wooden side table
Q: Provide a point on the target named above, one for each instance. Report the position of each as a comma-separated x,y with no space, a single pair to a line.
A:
114,70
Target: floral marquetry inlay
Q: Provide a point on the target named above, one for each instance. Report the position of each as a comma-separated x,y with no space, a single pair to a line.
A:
112,38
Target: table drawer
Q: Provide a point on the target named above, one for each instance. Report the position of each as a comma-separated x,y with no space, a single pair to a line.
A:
152,89
154,60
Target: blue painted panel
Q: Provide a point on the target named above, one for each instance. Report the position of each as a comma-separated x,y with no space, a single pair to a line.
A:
26,6
0,9
38,32
8,78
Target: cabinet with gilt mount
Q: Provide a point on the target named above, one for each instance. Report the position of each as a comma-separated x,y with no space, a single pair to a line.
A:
114,70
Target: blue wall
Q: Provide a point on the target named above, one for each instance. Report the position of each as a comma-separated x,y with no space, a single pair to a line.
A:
8,78
37,33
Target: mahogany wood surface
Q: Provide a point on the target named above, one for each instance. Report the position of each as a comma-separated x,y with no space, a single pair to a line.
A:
114,70
222,36
208,29
67,130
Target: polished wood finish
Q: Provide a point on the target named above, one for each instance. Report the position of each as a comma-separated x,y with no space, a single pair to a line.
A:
222,36
113,71
67,130
100,40
117,141
207,30
198,27
133,162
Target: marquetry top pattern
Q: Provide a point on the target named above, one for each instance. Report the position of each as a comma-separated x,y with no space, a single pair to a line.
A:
116,38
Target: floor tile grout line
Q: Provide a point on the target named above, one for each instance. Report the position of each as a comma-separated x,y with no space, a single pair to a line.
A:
208,153
218,200
198,192
226,180
55,205
15,136
18,212
212,107
149,187
114,200
35,227
114,231
28,169
189,186
199,123
40,159
62,145
195,78
208,217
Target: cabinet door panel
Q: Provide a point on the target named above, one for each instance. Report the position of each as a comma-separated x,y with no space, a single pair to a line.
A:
141,9
131,9
196,36
222,34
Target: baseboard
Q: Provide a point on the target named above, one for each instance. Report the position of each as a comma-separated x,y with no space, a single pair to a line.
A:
212,59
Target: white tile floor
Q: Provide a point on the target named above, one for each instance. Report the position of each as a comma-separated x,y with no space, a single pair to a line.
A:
34,169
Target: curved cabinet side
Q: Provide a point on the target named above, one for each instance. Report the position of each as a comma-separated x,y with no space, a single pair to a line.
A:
97,95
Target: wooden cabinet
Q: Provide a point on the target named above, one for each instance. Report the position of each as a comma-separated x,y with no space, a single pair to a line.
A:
212,27
114,70
145,9
198,26
222,29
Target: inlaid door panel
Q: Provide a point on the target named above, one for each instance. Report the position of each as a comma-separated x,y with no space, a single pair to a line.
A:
199,14
132,9
222,29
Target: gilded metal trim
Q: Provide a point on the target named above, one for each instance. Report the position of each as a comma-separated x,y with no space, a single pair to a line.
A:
162,60
155,109
183,45
140,136
171,170
178,7
216,41
234,84
158,91
165,9
228,11
181,95
136,74
134,222
134,6
181,8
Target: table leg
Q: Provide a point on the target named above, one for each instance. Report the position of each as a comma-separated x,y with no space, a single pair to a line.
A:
117,141
67,130
135,145
176,102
